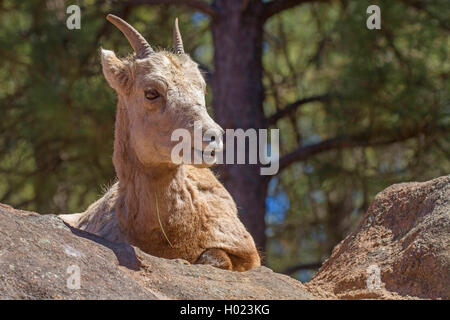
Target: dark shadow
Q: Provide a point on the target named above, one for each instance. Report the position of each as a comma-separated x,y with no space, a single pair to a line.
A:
124,252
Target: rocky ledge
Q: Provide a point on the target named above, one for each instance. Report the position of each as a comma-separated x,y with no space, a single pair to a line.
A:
400,250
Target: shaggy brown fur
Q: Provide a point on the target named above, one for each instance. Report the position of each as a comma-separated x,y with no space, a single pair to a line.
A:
168,210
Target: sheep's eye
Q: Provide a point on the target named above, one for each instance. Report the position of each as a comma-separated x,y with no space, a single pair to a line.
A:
151,94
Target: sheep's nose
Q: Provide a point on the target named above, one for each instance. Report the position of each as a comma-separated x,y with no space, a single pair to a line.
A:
213,137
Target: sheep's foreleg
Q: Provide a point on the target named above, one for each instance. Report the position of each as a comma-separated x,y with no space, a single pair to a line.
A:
215,257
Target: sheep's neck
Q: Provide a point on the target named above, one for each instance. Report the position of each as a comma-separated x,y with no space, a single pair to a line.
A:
141,188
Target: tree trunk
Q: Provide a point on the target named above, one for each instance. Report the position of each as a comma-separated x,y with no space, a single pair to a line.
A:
238,97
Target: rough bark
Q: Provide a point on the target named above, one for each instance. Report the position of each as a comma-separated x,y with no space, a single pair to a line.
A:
238,96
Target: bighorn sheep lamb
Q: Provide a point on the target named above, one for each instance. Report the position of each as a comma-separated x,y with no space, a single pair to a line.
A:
165,209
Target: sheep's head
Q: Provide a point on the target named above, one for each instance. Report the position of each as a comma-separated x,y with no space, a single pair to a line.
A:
161,92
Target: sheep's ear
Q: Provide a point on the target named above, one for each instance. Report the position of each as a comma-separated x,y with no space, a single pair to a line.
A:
116,72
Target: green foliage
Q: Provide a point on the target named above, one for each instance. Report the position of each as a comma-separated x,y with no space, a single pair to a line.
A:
381,83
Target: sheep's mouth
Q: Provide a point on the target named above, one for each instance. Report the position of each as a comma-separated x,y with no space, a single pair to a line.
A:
209,156
203,153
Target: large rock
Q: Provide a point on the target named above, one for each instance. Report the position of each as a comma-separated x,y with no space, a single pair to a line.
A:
404,237
39,255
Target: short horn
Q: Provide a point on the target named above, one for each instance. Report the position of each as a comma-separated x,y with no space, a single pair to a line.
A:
177,41
137,41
